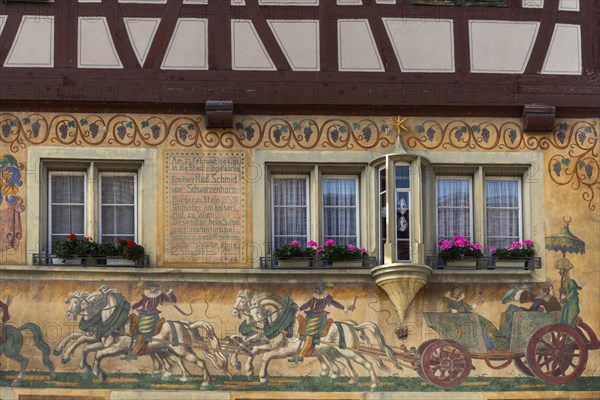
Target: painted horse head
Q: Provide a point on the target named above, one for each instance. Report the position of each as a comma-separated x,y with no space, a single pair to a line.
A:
242,303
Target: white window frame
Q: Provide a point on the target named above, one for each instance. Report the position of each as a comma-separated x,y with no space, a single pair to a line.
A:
357,207
101,174
50,233
381,229
520,203
306,178
471,204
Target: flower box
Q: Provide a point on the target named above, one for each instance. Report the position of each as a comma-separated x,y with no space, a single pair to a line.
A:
120,262
462,263
510,263
294,263
66,261
347,263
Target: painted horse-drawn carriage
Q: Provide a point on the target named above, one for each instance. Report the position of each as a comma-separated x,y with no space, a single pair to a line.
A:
539,345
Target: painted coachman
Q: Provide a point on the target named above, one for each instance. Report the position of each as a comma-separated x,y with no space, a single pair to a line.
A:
148,321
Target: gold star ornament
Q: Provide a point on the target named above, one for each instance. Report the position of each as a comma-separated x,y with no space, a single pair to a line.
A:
399,124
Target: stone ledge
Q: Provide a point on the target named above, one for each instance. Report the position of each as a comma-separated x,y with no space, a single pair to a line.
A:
223,275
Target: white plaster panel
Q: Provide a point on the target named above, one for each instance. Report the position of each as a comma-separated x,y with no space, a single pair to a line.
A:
357,50
195,1
564,53
2,21
248,51
385,1
95,44
299,40
238,2
188,48
533,4
34,43
141,32
144,1
89,1
501,46
569,5
349,2
422,45
289,2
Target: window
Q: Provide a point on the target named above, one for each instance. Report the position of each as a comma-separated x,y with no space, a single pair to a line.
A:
400,208
403,228
503,210
454,208
500,221
340,209
118,193
290,210
66,209
91,199
315,203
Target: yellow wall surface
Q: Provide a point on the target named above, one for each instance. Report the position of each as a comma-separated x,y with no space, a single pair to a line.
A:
170,145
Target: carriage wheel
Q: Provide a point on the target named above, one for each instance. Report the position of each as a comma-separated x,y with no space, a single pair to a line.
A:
521,365
445,363
420,350
557,354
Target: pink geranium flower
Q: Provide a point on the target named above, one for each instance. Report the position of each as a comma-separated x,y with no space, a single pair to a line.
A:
295,243
445,244
351,247
312,243
528,242
330,243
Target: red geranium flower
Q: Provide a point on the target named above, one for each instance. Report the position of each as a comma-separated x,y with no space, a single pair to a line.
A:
72,236
130,243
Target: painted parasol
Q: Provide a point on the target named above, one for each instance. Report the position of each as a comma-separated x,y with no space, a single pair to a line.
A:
566,242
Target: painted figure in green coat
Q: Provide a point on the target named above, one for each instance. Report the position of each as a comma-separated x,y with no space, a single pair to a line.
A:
569,297
455,299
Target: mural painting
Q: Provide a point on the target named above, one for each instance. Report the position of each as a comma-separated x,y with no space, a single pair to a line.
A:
125,336
11,204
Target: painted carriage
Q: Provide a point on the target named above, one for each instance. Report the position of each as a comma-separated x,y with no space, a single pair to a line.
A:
539,345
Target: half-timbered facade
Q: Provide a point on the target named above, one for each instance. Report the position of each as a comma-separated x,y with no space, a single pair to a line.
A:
299,199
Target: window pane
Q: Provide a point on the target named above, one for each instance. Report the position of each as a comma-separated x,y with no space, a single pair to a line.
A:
117,208
453,208
108,219
403,250
289,191
339,210
67,188
503,211
339,192
402,177
125,220
290,211
453,192
118,189
67,219
339,222
290,221
402,215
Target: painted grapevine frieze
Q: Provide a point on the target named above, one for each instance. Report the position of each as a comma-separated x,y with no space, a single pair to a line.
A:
129,130
578,164
461,135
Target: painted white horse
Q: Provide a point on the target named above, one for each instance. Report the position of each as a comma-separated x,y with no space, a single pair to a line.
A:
264,309
96,325
174,344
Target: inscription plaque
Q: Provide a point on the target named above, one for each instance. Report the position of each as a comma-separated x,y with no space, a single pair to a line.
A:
205,207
